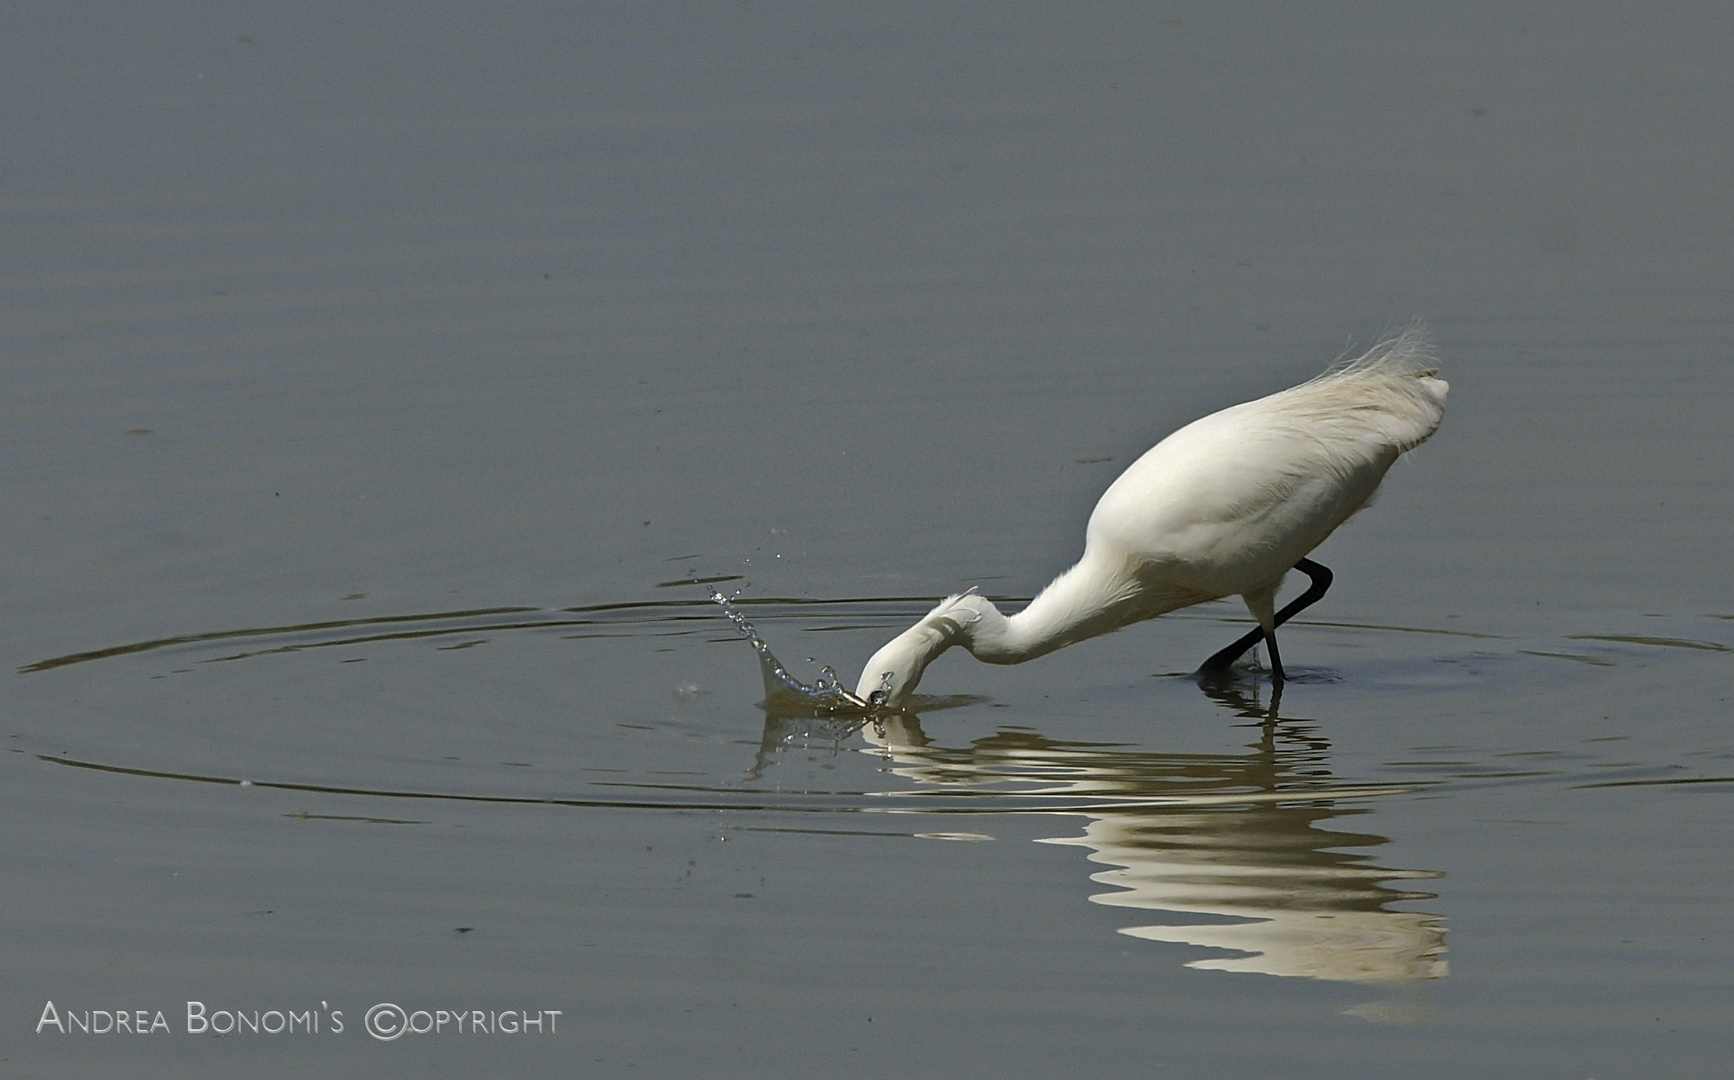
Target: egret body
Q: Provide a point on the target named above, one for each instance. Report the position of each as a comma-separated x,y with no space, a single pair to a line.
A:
1223,507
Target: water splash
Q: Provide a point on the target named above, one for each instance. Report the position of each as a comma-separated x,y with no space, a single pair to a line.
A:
783,691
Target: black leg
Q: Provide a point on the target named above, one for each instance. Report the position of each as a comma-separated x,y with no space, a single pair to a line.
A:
1224,659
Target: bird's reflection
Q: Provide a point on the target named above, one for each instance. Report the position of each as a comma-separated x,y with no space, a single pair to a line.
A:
1242,839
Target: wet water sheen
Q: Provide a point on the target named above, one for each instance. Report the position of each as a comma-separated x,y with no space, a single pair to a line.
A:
1303,838
387,389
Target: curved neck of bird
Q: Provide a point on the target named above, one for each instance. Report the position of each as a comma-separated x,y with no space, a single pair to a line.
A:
1091,598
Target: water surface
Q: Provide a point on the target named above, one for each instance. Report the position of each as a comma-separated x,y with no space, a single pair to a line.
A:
386,389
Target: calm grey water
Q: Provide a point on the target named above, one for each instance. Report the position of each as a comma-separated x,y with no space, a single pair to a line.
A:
379,382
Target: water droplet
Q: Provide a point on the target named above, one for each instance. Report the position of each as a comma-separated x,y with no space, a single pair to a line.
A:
825,695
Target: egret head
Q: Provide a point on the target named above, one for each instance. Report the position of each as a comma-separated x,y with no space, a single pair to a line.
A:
890,677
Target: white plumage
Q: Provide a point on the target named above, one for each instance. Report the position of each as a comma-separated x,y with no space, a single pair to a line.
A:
1223,507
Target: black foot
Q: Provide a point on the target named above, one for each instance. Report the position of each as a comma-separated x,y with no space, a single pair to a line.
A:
1224,659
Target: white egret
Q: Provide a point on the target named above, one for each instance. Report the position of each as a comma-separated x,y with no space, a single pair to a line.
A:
1223,507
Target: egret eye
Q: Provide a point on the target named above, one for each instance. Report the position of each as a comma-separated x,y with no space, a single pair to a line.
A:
881,696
